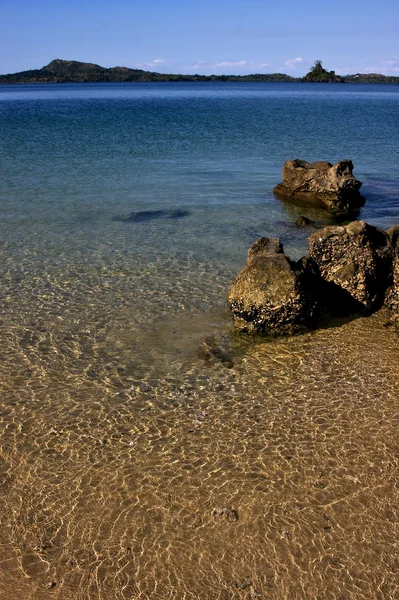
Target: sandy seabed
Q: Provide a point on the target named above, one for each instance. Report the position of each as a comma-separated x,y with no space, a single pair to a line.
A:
109,481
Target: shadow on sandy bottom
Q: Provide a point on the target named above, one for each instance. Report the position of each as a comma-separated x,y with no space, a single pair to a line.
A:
145,216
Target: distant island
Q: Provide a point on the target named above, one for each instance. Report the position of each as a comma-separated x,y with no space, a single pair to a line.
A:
319,75
72,71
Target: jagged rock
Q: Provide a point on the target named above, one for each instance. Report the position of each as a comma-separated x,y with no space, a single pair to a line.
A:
271,294
332,187
355,263
263,247
392,296
303,221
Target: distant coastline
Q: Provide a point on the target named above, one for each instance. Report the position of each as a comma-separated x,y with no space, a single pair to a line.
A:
64,71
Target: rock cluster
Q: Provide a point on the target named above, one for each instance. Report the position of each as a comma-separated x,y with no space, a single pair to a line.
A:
350,269
332,187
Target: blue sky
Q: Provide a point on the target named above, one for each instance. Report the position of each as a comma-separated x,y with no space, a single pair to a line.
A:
203,36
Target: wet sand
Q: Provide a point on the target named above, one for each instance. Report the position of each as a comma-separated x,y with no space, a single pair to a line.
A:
109,480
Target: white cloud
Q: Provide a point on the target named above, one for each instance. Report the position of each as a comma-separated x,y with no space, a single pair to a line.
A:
230,64
156,63
293,62
345,71
193,67
388,66
215,67
221,67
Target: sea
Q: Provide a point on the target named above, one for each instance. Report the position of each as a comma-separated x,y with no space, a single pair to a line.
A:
148,449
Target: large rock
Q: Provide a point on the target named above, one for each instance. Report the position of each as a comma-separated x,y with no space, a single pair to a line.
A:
392,296
355,263
332,187
271,295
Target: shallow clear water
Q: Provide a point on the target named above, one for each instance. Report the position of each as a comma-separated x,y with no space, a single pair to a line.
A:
126,210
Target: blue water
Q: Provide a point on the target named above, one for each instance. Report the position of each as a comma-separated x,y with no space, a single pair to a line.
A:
163,187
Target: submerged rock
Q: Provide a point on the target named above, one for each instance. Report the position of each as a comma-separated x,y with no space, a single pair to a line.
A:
303,221
332,187
271,294
355,263
229,514
210,351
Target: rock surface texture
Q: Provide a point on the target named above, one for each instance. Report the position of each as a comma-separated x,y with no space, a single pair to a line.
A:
332,187
271,295
355,264
392,297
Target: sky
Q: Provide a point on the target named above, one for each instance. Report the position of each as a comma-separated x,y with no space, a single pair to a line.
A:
203,36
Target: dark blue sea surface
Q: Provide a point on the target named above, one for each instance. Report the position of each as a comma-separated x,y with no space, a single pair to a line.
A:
75,156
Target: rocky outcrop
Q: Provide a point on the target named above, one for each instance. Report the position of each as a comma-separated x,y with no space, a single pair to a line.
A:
392,296
355,265
332,187
319,75
271,294
351,269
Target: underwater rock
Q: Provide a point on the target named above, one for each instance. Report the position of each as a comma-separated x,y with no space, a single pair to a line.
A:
355,264
51,585
332,187
303,221
228,514
272,293
210,351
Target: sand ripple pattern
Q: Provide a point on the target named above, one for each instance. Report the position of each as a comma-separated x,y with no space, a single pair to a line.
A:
118,442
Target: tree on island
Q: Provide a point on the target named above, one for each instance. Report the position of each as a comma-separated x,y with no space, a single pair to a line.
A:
320,75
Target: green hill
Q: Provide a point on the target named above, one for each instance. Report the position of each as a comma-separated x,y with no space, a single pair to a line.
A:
370,78
72,71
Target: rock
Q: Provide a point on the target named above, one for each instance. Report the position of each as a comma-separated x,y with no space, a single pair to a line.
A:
51,585
332,187
271,294
248,586
263,247
144,387
393,236
392,296
210,351
303,221
355,263
228,514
